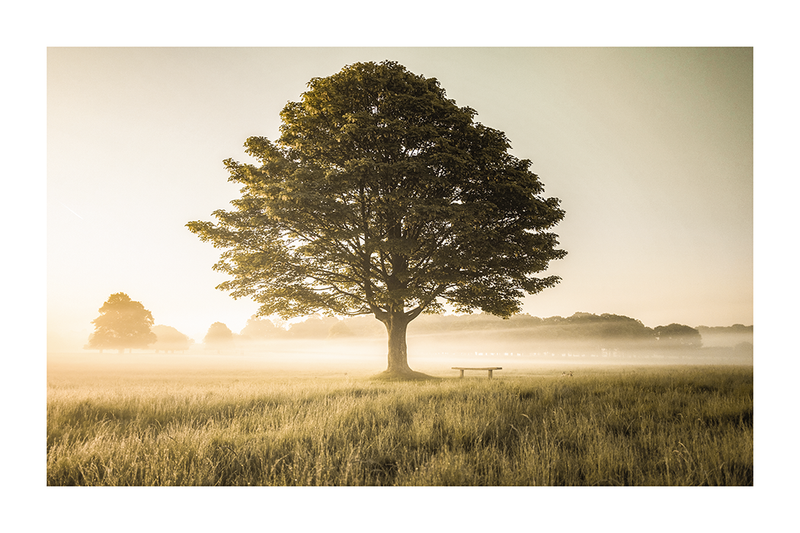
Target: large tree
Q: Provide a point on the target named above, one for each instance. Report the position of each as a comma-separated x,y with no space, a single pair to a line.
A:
122,324
383,197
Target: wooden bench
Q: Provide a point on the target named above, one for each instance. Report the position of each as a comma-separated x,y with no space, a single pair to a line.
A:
489,368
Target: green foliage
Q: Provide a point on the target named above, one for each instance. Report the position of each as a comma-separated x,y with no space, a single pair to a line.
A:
677,426
576,327
678,336
383,196
122,324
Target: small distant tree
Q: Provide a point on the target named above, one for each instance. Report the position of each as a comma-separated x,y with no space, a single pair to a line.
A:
219,336
122,324
170,339
678,336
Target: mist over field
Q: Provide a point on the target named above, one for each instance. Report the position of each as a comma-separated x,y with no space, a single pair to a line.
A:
312,413
325,346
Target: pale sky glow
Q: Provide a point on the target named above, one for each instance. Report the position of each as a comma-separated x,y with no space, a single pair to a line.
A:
650,151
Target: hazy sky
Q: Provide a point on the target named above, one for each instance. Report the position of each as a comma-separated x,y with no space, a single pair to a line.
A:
649,149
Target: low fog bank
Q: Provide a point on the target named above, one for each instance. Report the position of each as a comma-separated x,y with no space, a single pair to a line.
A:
436,341
203,367
339,359
342,358
583,336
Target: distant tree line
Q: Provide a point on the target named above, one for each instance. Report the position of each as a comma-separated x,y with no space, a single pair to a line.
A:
587,330
125,324
738,335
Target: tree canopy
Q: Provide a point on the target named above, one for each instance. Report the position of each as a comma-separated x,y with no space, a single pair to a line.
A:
678,336
261,329
122,324
382,196
170,339
218,336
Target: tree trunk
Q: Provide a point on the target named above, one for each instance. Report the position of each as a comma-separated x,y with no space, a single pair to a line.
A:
396,326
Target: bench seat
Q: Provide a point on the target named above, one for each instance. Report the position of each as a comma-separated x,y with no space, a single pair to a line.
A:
488,368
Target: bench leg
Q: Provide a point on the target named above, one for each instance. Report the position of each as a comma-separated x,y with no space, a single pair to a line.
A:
462,374
490,374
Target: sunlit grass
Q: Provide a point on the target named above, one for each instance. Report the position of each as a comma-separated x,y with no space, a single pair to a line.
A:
649,426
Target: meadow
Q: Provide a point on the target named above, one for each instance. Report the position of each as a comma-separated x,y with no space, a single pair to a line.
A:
202,420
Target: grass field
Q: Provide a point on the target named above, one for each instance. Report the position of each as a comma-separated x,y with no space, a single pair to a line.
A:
200,420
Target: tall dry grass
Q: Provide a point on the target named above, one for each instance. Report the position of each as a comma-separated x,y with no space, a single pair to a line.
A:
619,426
